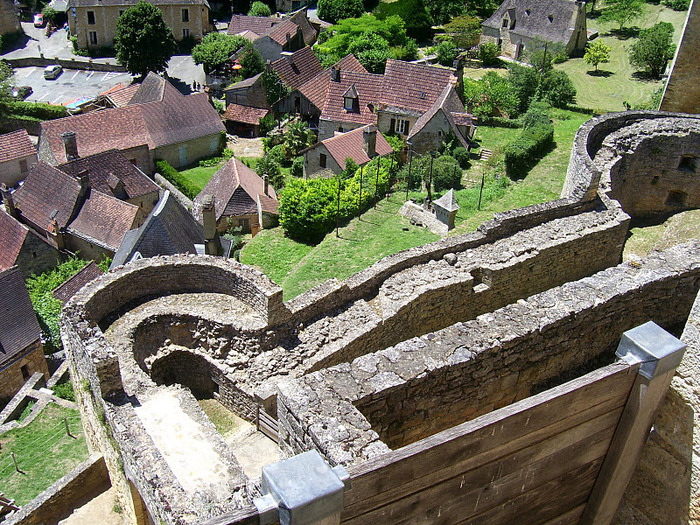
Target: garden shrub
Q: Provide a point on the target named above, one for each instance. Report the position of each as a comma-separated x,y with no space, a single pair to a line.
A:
297,167
37,110
65,391
536,138
462,156
177,179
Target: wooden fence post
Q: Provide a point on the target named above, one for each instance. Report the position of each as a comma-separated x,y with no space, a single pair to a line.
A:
659,354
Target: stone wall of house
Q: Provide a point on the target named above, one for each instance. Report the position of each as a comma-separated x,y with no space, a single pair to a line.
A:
11,171
88,250
12,378
312,162
432,135
140,156
195,150
682,91
37,256
421,386
384,122
268,48
327,128
9,21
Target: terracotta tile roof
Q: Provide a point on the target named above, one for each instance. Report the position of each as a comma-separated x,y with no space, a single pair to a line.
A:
245,114
350,145
249,35
463,119
47,193
107,169
236,189
16,145
121,96
301,19
169,229
297,68
69,288
104,220
279,32
130,3
172,119
413,87
316,89
18,325
255,24
12,235
368,86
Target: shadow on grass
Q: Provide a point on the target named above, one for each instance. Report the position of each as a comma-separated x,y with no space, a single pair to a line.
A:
644,76
600,73
625,33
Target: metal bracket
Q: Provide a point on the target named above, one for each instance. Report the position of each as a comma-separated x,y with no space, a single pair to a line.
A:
652,346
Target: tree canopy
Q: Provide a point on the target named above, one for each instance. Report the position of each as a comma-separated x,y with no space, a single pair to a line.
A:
259,9
143,42
622,12
6,81
215,49
417,19
653,49
334,10
465,31
597,53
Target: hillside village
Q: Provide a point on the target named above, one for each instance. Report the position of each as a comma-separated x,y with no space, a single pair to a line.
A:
417,256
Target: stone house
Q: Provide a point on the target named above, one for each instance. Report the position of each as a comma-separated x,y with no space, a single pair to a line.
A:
516,23
21,352
9,19
157,123
249,92
290,5
271,36
243,121
328,156
411,101
295,69
94,22
70,214
17,155
241,199
24,248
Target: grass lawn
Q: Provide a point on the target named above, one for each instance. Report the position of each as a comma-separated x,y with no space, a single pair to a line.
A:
200,176
607,93
225,421
44,453
678,229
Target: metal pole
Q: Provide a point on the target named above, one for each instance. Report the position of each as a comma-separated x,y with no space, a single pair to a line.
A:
359,206
480,191
337,215
391,167
430,180
14,460
408,179
376,184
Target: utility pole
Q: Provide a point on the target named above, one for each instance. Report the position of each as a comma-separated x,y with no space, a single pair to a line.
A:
480,191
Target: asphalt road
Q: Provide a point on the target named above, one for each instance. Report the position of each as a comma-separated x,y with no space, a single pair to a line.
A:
70,85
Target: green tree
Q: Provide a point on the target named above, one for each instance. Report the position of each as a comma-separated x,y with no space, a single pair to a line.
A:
334,10
215,49
465,31
653,49
597,53
444,10
557,89
143,42
372,50
251,62
268,166
297,137
259,9
491,96
6,81
414,14
446,174
622,12
446,52
488,54
275,89
50,14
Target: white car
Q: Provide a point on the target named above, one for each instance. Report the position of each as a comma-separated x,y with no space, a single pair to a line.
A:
51,72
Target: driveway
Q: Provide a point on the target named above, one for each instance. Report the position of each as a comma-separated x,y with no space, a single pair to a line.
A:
36,43
70,85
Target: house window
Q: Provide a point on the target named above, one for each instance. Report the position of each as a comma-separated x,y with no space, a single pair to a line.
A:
349,103
322,160
23,165
93,37
91,17
185,33
505,23
25,372
185,15
403,127
550,18
244,223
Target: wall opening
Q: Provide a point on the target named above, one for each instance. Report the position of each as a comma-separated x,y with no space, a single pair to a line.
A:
187,369
688,163
677,198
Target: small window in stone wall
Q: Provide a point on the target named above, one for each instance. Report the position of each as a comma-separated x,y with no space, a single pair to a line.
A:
91,17
23,165
688,163
676,198
322,160
25,371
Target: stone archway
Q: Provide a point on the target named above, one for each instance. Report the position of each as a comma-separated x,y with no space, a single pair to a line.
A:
187,369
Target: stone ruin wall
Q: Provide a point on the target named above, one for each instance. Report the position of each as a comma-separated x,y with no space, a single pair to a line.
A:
96,366
399,395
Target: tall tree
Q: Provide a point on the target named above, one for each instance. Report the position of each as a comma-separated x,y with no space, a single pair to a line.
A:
653,49
143,42
259,9
215,49
622,12
6,81
597,53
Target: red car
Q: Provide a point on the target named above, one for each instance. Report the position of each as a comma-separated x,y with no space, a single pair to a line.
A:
38,20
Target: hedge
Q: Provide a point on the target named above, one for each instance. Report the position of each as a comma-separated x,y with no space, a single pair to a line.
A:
525,151
175,177
37,110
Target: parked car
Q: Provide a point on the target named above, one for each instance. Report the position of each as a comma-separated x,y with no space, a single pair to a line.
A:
38,20
22,92
51,72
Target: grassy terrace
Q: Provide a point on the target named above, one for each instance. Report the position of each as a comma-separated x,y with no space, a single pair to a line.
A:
44,453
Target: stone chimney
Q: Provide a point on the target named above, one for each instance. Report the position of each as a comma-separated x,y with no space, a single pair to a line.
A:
460,77
369,141
70,144
212,243
266,185
84,180
8,200
335,74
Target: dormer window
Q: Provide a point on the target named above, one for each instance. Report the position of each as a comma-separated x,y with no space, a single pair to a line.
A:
527,12
550,18
422,95
349,103
351,100
505,23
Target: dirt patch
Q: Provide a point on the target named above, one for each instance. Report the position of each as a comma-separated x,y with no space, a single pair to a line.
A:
100,509
246,147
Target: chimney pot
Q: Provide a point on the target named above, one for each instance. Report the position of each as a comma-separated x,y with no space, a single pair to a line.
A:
369,141
70,144
266,185
8,200
335,74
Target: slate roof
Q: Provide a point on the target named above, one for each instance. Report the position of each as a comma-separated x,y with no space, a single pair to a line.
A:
414,87
103,168
129,3
69,288
245,114
171,119
47,193
168,230
297,68
255,24
350,145
12,235
532,18
19,327
103,220
236,190
16,145
447,201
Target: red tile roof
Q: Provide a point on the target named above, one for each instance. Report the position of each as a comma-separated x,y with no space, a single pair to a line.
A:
350,145
104,220
18,325
104,169
245,114
47,193
368,87
236,189
297,68
256,24
279,32
171,119
16,145
12,235
316,89
413,87
69,288
120,95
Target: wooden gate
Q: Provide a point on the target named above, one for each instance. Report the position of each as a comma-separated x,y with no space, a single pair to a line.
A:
266,424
